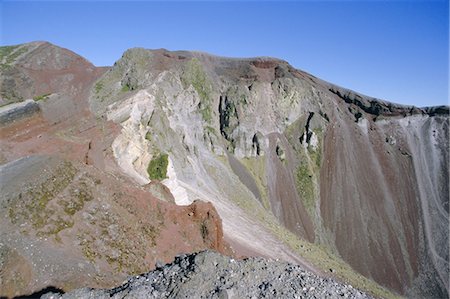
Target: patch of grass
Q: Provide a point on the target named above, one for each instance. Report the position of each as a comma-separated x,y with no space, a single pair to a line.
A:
157,168
58,225
305,188
41,97
257,167
195,75
125,88
88,251
7,50
32,206
316,154
206,113
78,198
98,87
151,232
8,54
211,130
148,136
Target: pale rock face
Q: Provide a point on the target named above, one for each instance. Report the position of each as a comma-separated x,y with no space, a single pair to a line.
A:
130,148
364,125
178,191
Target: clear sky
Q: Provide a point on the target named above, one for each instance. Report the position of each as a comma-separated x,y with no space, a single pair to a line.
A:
394,50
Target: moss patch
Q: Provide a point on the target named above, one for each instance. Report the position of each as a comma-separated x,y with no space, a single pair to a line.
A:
8,54
122,244
305,187
157,168
257,167
41,97
32,207
78,198
195,75
98,87
125,88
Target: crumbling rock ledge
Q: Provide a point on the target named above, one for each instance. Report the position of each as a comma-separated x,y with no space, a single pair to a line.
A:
210,275
16,111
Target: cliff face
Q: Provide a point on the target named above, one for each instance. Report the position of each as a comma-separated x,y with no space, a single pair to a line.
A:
297,168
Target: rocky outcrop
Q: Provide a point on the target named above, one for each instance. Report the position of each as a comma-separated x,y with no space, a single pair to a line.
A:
17,111
211,275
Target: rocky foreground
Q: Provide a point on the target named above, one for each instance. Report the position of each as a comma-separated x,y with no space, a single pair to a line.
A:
211,275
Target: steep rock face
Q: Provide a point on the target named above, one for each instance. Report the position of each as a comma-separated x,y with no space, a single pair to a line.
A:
261,139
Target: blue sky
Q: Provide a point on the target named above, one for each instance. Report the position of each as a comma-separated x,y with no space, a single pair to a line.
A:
394,50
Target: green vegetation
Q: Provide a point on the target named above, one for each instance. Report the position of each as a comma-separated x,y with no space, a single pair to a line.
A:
58,225
8,54
206,113
78,197
34,205
123,244
148,136
305,187
157,168
257,167
6,51
211,130
151,232
307,174
125,88
195,75
316,157
98,87
41,97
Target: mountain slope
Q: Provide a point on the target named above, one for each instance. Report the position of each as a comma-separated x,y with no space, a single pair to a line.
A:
68,216
297,168
334,167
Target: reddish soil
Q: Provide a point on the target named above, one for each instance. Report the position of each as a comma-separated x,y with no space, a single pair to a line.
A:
371,222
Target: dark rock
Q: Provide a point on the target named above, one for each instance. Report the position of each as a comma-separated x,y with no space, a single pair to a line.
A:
210,275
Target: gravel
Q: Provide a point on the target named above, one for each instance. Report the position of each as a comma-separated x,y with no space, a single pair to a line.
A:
210,275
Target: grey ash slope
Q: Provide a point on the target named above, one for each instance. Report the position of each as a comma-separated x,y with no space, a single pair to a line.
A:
211,275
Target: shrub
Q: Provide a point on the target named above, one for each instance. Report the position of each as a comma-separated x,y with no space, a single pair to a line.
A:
41,97
157,168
